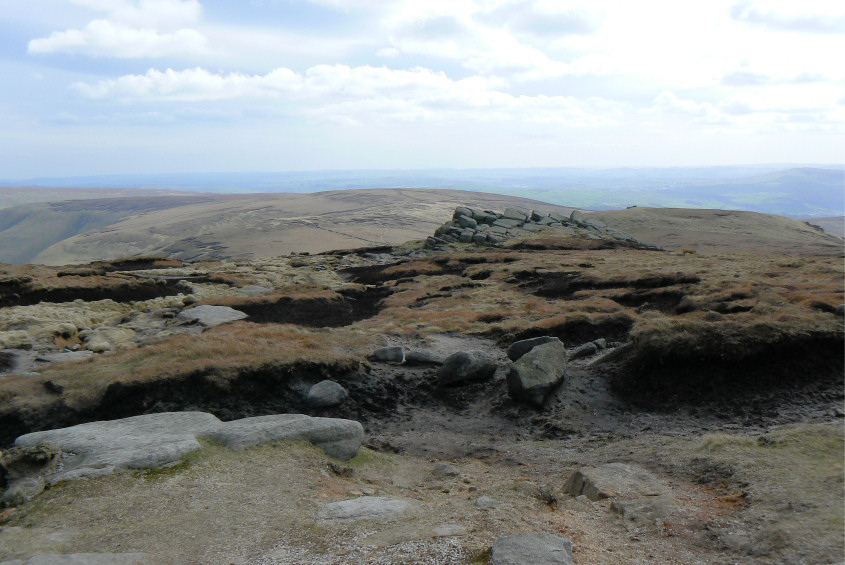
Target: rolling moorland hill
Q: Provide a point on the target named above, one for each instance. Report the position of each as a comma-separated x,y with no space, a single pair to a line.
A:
268,225
690,412
205,226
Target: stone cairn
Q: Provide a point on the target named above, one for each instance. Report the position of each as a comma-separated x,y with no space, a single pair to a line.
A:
485,227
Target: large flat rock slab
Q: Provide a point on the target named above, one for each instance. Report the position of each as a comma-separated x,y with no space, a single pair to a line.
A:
82,559
612,480
364,508
533,548
158,440
207,315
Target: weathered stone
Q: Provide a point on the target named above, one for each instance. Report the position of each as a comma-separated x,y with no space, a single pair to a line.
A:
467,366
535,375
493,239
610,480
479,238
490,218
532,228
577,217
22,491
507,223
207,315
545,221
336,437
417,358
601,343
466,222
82,559
389,354
442,469
519,348
466,236
448,531
498,230
840,310
516,214
325,394
531,548
560,218
157,440
462,211
585,350
364,508
536,216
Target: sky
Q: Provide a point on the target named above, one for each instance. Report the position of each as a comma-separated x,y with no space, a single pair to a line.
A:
95,87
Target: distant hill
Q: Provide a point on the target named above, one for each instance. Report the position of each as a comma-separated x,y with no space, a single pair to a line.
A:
18,195
722,231
789,190
255,225
834,224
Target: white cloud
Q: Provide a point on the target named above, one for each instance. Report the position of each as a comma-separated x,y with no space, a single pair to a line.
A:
355,94
143,28
812,16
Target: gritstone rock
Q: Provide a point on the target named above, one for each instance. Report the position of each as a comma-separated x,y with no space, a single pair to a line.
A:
466,236
325,394
465,222
523,346
486,502
479,238
507,223
534,549
462,211
585,350
416,358
516,214
467,366
533,377
577,217
443,469
156,440
364,508
211,315
389,354
610,480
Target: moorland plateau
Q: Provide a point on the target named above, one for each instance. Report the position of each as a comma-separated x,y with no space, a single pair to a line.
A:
694,413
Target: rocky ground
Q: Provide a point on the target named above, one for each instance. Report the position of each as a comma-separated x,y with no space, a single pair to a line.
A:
725,448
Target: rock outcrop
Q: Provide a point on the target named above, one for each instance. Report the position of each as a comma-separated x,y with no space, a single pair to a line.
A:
206,315
486,227
535,548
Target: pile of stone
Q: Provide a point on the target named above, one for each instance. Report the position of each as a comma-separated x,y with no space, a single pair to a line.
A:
486,227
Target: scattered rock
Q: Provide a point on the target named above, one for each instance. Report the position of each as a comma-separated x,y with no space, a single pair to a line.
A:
601,343
254,290
207,315
610,480
533,548
364,508
585,350
448,531
519,348
325,394
467,366
443,469
389,354
486,502
535,375
82,559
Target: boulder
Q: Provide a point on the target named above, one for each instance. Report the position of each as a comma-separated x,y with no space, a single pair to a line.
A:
479,238
418,358
493,238
207,315
600,343
585,350
532,228
531,548
466,222
536,216
519,348
467,366
516,214
644,512
545,221
462,211
840,310
389,354
466,236
486,502
611,480
157,440
326,394
559,218
62,356
364,508
536,374
82,559
577,217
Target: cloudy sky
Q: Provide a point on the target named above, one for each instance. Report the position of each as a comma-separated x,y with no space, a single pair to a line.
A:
135,86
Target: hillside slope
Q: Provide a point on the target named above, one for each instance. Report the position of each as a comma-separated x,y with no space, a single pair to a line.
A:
722,231
267,225
27,230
